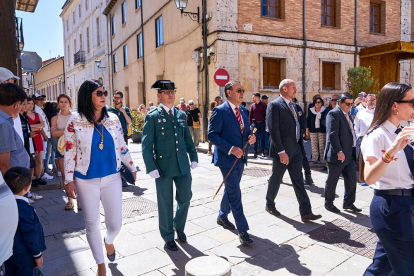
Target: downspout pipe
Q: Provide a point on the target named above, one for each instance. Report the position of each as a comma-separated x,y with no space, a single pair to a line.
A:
144,95
356,34
204,26
305,45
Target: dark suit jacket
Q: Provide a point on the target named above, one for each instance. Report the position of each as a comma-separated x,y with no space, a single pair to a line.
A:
29,239
282,128
338,137
224,132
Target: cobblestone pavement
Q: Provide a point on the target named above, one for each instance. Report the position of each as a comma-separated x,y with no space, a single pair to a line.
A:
282,245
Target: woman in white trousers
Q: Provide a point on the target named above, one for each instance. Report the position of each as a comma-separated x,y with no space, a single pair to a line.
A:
94,150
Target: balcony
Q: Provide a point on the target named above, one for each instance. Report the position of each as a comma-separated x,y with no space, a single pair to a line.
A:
80,59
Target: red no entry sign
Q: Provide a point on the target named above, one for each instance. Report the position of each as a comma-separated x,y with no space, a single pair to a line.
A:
221,77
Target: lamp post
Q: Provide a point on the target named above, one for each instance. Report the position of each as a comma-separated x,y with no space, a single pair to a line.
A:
181,5
20,47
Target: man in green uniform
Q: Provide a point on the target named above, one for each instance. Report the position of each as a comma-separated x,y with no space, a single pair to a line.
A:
166,141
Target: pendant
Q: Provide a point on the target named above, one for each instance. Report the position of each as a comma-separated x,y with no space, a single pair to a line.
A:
101,146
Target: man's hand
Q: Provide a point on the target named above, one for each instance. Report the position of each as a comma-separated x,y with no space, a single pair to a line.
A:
71,190
252,139
154,174
284,158
194,164
236,151
341,156
121,109
39,262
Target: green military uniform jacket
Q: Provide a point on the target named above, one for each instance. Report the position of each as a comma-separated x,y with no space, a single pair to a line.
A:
169,141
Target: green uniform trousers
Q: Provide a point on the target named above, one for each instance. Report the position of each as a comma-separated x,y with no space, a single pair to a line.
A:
165,204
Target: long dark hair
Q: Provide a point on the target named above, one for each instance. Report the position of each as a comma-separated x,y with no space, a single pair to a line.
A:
390,93
85,105
51,109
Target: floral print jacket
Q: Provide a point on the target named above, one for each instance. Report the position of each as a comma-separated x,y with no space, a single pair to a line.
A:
78,142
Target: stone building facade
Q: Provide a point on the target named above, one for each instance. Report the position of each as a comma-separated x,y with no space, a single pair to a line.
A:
84,35
49,80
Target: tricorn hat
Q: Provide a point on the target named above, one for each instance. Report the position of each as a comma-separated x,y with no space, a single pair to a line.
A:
163,85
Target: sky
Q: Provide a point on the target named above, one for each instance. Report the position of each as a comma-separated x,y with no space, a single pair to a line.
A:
42,30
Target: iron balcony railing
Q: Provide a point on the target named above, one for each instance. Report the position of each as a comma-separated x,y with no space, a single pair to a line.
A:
79,57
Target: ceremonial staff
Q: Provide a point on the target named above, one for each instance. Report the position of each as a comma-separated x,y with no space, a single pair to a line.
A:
234,163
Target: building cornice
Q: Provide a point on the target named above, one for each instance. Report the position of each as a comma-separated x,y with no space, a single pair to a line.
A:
65,7
109,7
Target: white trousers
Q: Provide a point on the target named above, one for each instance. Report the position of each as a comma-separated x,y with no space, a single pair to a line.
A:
107,189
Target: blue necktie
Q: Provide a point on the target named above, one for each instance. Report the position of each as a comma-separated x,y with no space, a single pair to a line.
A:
292,108
408,150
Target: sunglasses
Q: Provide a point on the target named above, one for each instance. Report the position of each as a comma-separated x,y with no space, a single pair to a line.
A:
318,102
348,104
334,100
168,91
40,99
411,102
101,93
117,98
240,90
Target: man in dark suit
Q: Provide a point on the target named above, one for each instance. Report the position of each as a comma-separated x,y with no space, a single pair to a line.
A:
340,154
286,148
229,130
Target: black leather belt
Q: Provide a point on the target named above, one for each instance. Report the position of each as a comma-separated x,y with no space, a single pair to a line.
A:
395,192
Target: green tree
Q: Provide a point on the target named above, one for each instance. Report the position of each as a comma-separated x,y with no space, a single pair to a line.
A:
360,79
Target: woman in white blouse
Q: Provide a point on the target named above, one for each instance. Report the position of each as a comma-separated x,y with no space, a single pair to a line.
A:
388,158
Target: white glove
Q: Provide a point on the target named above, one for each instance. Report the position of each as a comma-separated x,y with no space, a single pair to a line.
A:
194,164
154,174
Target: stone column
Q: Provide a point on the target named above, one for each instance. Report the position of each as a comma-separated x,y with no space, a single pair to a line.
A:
405,65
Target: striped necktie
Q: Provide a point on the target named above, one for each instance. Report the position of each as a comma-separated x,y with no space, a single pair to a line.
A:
293,110
238,116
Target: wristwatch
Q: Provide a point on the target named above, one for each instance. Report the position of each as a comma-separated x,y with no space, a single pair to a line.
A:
67,182
340,151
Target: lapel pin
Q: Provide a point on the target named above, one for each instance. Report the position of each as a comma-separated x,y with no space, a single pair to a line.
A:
164,120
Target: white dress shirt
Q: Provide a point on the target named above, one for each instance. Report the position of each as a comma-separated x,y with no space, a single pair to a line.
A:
398,174
233,107
167,109
362,121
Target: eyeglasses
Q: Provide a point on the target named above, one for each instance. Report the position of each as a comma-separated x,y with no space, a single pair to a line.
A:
40,99
411,102
372,100
240,90
117,98
101,93
168,91
348,104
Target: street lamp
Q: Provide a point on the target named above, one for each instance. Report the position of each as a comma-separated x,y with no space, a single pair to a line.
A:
98,64
182,4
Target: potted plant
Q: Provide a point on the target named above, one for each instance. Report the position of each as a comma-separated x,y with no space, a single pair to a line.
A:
137,126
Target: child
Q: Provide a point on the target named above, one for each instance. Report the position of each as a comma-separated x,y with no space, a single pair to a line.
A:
29,240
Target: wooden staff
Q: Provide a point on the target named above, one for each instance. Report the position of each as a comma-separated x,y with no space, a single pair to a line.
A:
234,163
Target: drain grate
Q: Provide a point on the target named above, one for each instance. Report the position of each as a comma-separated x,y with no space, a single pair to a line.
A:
136,206
347,235
257,172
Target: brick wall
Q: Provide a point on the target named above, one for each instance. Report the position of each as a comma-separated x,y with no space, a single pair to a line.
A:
249,12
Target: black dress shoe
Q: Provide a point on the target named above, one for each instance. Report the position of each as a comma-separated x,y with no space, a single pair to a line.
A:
308,179
352,208
35,183
225,223
332,208
310,217
255,155
181,236
245,238
272,210
171,245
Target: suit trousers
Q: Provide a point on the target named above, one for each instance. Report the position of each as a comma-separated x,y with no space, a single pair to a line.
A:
295,171
261,130
23,265
107,190
165,195
232,200
348,172
393,221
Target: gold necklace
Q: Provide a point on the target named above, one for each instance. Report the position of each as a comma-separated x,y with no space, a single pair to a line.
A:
101,134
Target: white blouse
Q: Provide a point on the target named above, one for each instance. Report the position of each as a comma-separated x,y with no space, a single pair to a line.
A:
398,174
